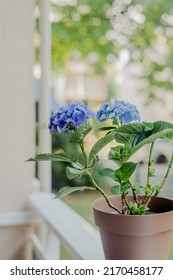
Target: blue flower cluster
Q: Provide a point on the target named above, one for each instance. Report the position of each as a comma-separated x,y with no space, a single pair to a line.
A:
120,111
69,117
73,115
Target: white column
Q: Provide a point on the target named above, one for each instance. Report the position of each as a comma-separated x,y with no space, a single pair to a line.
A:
44,98
44,168
17,124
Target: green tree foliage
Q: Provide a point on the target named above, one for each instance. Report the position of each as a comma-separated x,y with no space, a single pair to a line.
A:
146,29
80,34
95,32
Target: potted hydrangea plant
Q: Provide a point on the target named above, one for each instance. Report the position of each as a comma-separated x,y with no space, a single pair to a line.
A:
134,222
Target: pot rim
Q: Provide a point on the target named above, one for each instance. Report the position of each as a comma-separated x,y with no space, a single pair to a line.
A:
113,212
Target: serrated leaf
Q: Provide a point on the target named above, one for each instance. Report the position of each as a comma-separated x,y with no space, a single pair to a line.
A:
78,135
54,157
160,126
164,134
124,134
108,172
140,137
67,190
101,143
124,173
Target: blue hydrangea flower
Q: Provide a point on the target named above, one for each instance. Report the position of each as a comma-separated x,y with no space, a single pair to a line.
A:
69,117
120,111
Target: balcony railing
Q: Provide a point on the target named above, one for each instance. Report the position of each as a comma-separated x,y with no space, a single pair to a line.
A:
62,225
57,224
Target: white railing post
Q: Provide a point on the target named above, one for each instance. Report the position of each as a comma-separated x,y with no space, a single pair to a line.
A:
44,168
44,98
53,247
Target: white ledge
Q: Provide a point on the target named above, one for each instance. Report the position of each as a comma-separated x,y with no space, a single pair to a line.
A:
79,238
17,218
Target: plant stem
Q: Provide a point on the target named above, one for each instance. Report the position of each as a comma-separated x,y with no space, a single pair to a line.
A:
103,193
163,182
84,153
148,199
135,196
134,193
123,202
93,181
166,174
128,206
149,163
147,196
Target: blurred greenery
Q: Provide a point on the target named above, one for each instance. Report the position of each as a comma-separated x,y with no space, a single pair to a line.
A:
81,34
95,32
60,142
154,42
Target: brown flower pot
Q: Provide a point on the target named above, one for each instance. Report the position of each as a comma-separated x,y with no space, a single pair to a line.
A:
130,237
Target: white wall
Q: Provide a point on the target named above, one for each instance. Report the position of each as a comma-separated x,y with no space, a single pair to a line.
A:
16,117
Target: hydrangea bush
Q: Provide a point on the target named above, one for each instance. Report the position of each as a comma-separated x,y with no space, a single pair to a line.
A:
129,135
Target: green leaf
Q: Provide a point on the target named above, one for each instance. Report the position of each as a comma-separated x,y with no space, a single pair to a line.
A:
120,175
76,165
67,190
137,187
125,187
120,189
143,209
124,173
116,189
78,135
124,134
72,173
139,137
108,172
101,143
54,157
161,126
119,154
138,210
151,172
161,130
95,159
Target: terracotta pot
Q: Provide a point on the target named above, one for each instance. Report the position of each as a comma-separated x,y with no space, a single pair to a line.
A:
130,237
